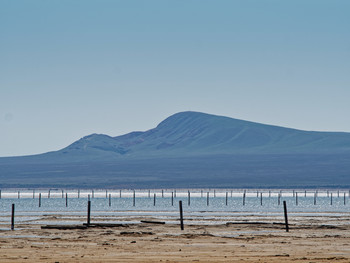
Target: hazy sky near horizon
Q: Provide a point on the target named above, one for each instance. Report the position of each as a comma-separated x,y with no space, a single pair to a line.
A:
72,68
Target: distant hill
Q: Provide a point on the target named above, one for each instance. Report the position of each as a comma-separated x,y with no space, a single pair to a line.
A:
199,137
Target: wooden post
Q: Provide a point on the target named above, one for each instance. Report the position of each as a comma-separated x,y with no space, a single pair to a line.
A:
226,197
293,193
269,193
181,216
257,194
149,193
344,198
92,193
296,198
338,193
331,198
154,199
19,194
162,193
285,215
133,199
261,198
207,198
201,193
327,193
13,217
33,194
0,194
66,199
120,193
214,193
88,197
106,194
305,194
175,193
39,199
109,200
244,198
48,195
62,193
78,193
315,198
88,212
231,193
189,198
172,198
279,198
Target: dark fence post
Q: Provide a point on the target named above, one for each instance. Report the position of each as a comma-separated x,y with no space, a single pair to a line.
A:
133,199
13,217
39,199
88,213
172,198
207,198
154,199
226,197
66,199
296,198
181,216
189,198
261,198
285,215
244,198
109,201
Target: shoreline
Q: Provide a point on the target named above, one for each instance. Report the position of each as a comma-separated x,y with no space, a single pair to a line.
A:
311,239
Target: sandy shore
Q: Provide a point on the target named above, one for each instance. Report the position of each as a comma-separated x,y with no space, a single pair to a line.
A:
310,240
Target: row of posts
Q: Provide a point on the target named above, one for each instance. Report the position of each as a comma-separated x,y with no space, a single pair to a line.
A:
180,208
173,195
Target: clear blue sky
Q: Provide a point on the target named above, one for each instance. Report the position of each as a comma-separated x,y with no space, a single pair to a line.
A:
72,68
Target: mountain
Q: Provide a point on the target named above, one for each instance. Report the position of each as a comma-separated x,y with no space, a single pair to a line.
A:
198,134
197,147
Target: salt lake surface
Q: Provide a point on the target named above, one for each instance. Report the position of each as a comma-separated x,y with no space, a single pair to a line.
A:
201,206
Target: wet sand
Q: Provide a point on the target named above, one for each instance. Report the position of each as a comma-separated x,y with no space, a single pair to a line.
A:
315,239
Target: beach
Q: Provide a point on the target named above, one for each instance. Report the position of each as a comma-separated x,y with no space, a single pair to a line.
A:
311,238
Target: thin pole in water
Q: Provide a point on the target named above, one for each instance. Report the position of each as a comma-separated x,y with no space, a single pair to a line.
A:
189,198
133,201
66,199
296,198
92,193
62,193
172,198
13,217
285,215
315,198
344,198
261,203
175,193
162,193
39,199
120,193
154,199
331,198
78,193
226,197
33,194
279,198
88,212
48,195
214,193
244,198
109,200
149,193
207,198
19,195
181,216
106,193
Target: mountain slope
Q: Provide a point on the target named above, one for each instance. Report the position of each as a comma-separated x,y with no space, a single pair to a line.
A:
193,133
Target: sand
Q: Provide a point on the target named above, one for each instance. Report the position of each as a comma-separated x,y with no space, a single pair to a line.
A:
315,239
